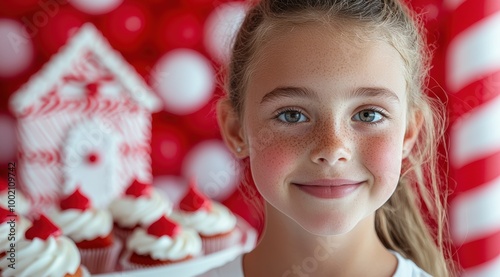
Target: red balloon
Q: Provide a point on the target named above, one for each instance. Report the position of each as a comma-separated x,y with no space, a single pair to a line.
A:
127,26
179,29
164,4
16,7
54,31
169,145
240,205
203,122
142,67
200,3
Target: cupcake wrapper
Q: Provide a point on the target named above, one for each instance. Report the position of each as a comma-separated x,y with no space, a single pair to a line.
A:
122,234
101,260
126,265
214,244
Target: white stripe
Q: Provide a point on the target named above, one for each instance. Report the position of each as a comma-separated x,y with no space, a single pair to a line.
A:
474,53
489,269
34,175
476,135
476,213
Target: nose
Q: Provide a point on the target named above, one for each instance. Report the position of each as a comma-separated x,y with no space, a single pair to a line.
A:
331,145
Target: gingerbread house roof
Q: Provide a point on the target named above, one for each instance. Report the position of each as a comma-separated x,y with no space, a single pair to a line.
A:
87,38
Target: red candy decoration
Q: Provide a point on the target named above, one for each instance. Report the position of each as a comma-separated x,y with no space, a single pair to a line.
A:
76,200
194,200
164,227
138,189
93,158
42,228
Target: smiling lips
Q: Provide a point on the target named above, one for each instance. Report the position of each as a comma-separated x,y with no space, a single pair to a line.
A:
329,188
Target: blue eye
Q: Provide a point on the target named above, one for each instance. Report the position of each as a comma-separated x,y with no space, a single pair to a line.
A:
291,116
369,116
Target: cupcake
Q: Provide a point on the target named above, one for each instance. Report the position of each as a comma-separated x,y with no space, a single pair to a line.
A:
17,200
139,206
12,228
214,222
91,229
44,252
163,242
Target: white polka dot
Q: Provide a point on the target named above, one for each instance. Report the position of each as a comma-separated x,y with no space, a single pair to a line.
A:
172,188
185,80
96,6
16,48
214,167
221,27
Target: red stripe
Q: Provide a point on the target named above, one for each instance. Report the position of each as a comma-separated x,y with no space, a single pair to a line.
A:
477,173
49,103
473,95
470,12
480,251
45,157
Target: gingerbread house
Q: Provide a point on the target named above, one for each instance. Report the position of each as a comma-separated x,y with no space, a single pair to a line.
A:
83,120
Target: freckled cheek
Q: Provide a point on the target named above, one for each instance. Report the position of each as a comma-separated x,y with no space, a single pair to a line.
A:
273,161
383,159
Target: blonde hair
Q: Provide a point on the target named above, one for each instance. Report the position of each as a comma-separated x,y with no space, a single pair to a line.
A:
399,223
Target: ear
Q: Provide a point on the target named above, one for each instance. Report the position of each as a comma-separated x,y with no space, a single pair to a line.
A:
231,128
412,131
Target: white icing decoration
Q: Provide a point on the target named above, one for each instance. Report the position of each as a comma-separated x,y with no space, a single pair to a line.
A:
41,138
88,38
83,225
128,211
186,243
50,257
22,205
22,224
218,220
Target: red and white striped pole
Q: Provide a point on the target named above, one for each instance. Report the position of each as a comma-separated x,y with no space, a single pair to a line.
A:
473,83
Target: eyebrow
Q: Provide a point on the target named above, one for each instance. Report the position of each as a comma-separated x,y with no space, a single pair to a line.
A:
289,92
303,92
376,92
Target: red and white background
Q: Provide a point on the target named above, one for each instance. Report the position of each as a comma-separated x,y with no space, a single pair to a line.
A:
178,47
472,70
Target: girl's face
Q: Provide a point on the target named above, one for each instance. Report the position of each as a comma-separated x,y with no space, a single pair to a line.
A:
324,126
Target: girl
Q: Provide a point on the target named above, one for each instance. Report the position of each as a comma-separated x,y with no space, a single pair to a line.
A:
326,107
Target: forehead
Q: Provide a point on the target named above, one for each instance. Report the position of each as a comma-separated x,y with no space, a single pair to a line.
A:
324,57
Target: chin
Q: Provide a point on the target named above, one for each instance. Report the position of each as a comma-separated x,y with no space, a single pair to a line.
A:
328,226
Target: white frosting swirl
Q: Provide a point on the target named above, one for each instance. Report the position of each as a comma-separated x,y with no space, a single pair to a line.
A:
218,220
83,225
21,225
129,211
51,257
22,205
186,243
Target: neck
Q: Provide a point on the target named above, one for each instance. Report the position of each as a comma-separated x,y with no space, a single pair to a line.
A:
286,249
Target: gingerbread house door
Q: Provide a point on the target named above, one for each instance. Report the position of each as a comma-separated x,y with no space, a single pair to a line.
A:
91,161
